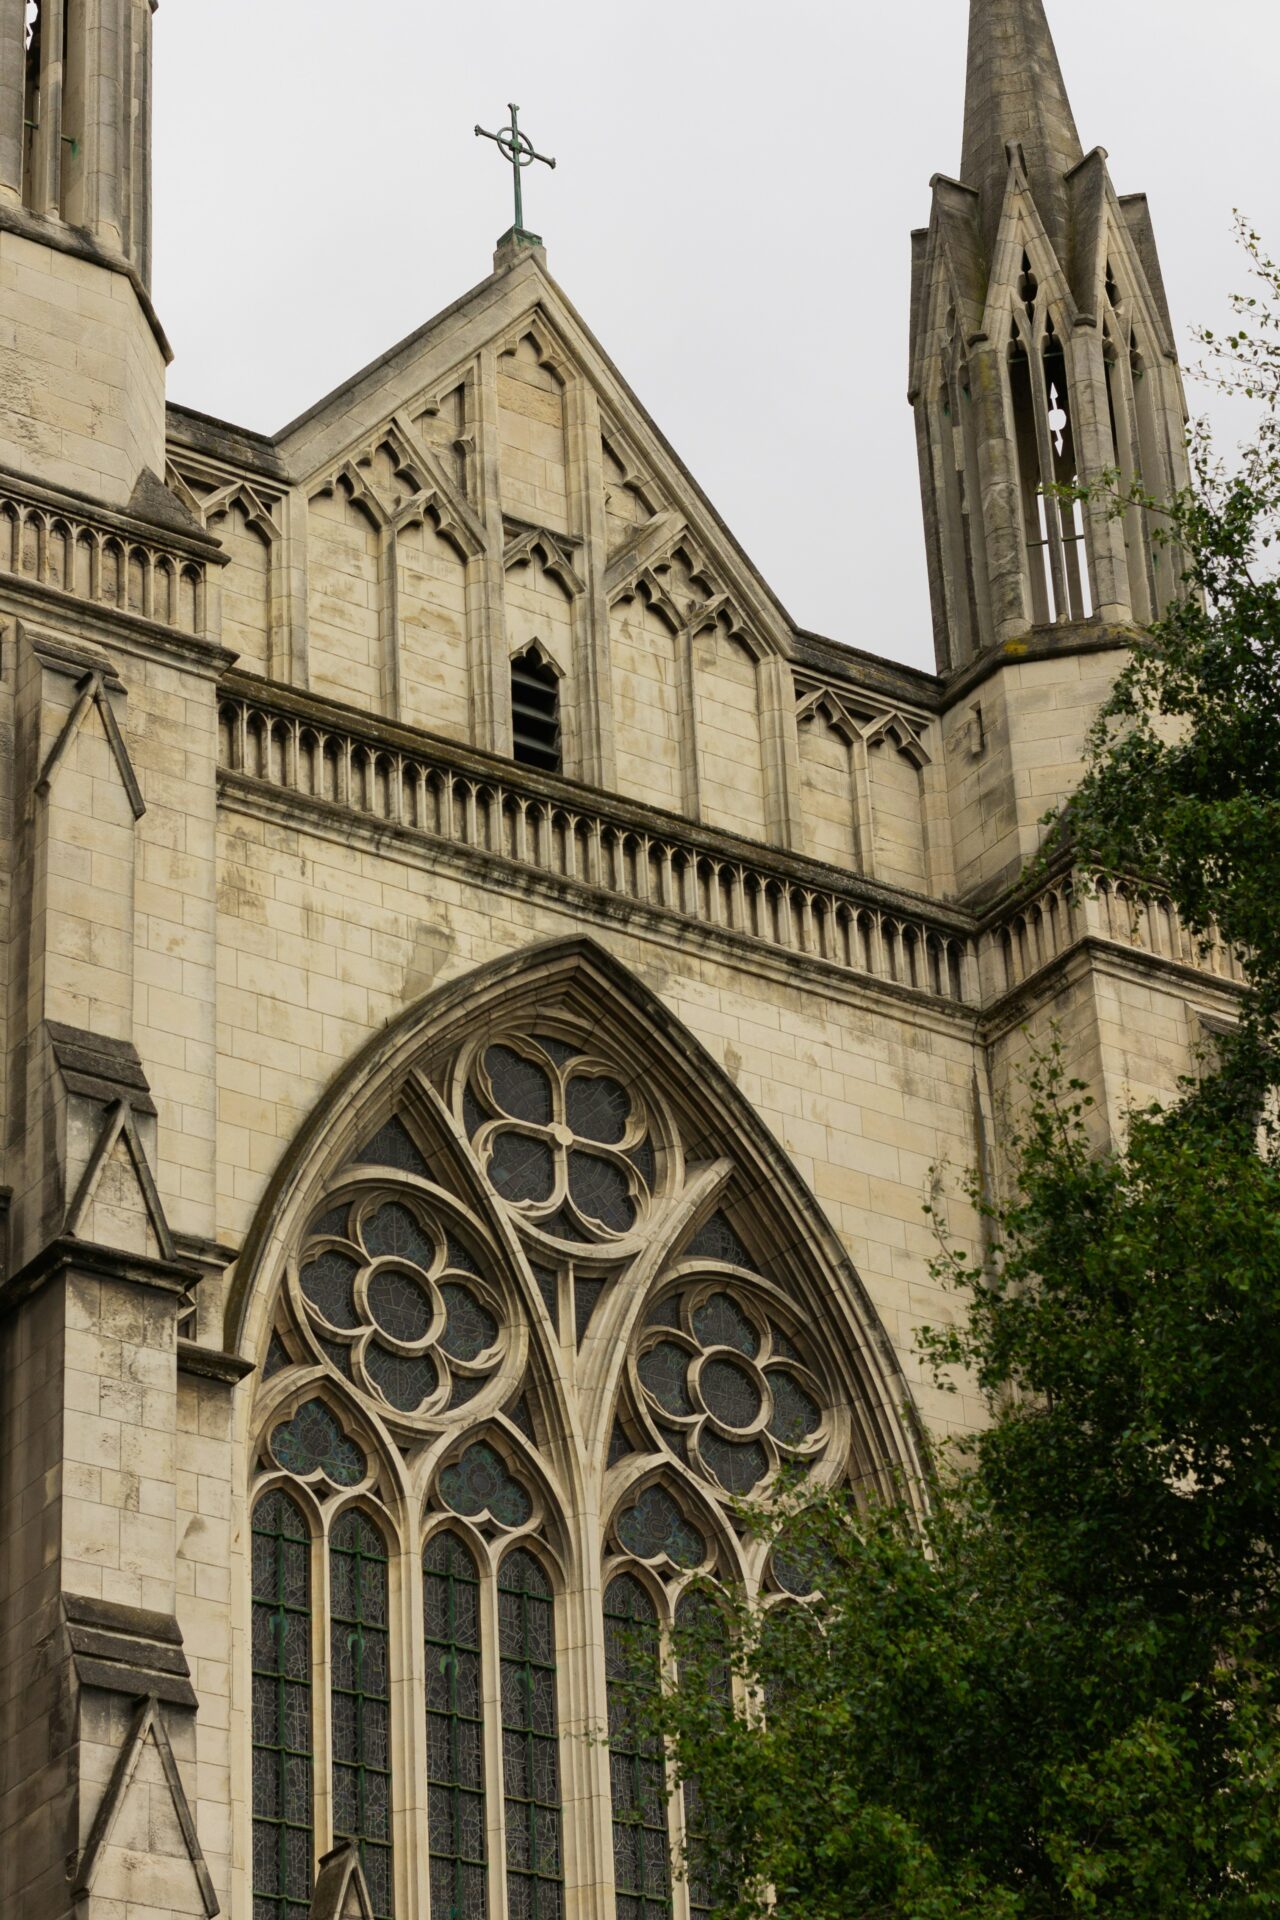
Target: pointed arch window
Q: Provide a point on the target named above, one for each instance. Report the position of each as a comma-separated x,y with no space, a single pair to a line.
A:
360,1699
282,1749
698,1616
1044,439
530,1740
455,1730
637,1770
535,711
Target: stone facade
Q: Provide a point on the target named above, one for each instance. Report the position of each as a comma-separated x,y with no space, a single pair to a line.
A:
446,1161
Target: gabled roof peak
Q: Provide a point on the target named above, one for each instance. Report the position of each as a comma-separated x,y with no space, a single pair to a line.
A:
1016,95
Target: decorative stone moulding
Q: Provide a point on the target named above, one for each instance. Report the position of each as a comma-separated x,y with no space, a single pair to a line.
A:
102,559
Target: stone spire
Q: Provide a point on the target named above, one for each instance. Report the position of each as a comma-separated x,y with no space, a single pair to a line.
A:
1016,92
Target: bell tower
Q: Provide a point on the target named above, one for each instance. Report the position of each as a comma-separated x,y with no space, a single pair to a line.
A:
82,370
1042,354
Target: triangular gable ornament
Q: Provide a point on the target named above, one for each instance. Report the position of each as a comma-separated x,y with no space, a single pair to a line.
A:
341,1892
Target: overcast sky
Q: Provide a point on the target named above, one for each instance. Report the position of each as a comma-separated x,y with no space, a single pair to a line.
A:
730,211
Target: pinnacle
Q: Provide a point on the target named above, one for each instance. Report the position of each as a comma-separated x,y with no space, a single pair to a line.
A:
1016,92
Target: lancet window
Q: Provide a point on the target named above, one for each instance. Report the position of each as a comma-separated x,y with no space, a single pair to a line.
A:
464,1383
1045,441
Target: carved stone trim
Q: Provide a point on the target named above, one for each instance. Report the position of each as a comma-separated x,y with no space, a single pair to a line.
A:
340,1890
173,1277
211,1363
148,1721
93,692
98,1068
122,1649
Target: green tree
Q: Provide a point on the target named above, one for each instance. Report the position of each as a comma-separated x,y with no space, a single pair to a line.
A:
1060,1695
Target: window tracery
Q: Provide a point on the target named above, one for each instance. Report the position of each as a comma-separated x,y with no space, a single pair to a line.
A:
460,1309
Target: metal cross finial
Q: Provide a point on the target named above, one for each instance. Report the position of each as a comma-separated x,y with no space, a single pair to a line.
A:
518,149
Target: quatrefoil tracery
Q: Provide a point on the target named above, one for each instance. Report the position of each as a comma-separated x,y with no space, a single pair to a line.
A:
563,1140
398,1305
725,1386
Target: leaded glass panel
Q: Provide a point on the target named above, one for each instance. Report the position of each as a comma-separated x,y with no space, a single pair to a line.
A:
599,1190
717,1240
394,1230
392,1146
598,1109
329,1284
520,1167
406,1379
641,1848
520,1087
737,1465
313,1440
361,1699
281,1624
729,1393
586,1298
655,1526
480,1482
400,1304
664,1371
698,1616
470,1329
455,1731
720,1322
530,1746
796,1414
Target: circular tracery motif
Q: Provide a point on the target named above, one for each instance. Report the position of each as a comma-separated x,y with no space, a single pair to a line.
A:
727,1388
398,1305
561,1137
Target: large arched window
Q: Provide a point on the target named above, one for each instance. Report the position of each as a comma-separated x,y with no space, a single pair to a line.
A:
543,1306
455,1728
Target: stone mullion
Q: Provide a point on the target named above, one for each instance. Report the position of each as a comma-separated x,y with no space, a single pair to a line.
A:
409,1815
491,682
491,1710
287,641
584,1707
1091,429
389,619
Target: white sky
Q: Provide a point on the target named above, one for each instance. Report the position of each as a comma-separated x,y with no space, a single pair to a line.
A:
730,212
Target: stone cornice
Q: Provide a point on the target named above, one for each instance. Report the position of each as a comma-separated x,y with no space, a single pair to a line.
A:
174,1278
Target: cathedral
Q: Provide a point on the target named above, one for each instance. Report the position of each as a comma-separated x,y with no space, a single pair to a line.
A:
486,1001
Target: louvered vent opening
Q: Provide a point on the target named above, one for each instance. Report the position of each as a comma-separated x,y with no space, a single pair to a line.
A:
535,713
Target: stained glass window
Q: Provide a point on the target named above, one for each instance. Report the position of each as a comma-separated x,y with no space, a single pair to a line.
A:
739,1466
720,1322
796,1414
598,1109
664,1371
282,1841
313,1441
698,1616
455,1731
729,1393
519,1087
520,1167
480,1483
549,1287
530,1749
329,1284
400,1306
361,1699
404,1378
599,1190
586,1297
641,1848
655,1526
393,1229
717,1240
391,1146
470,1328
